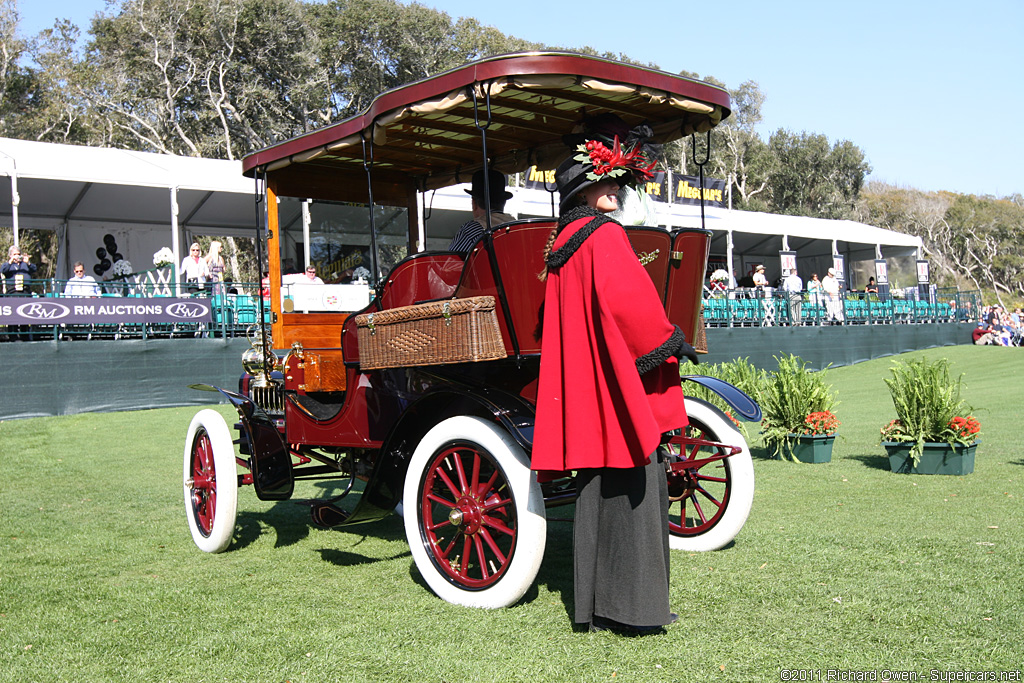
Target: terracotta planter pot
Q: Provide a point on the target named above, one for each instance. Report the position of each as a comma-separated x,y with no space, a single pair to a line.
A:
938,458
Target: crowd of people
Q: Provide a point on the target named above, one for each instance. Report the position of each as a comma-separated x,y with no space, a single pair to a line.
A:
999,328
827,291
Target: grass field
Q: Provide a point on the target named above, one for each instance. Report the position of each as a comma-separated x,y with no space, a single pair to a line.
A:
842,566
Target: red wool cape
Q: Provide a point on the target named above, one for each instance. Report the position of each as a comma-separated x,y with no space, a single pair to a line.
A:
601,313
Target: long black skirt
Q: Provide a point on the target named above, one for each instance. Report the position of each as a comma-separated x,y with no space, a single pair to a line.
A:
620,545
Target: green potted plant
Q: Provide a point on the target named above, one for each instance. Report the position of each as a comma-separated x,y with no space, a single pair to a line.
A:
799,422
934,432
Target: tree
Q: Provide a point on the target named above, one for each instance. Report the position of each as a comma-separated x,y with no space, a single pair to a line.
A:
214,78
61,111
985,242
746,161
975,241
16,82
915,213
811,178
369,46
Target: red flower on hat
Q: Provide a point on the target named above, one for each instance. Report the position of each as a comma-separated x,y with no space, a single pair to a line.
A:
614,162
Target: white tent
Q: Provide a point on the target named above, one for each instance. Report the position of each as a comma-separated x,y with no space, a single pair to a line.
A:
145,201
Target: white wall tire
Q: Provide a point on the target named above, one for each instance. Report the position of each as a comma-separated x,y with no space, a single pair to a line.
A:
474,514
210,482
710,506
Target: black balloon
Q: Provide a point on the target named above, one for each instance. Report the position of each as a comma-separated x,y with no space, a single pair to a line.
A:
98,269
108,239
101,253
117,257
105,264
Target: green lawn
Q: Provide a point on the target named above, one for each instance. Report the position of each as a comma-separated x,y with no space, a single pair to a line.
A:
841,566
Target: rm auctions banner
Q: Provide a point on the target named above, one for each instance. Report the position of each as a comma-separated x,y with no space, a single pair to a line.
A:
32,311
680,189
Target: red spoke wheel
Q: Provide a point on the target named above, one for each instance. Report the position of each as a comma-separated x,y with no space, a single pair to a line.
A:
210,482
709,504
474,514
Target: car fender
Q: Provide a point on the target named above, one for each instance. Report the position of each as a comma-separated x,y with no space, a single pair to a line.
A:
744,406
384,488
269,460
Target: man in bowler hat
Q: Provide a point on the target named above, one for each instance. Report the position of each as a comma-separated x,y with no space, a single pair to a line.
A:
473,229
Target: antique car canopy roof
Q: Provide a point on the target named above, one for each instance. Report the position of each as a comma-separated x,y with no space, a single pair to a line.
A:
427,131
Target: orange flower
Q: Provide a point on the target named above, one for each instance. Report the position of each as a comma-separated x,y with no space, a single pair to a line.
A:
965,427
823,422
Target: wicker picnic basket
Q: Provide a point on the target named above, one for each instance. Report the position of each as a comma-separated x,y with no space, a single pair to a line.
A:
452,331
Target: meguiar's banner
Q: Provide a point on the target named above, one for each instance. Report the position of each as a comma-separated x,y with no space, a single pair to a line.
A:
679,189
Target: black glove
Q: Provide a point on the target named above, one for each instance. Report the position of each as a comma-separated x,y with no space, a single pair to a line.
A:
687,351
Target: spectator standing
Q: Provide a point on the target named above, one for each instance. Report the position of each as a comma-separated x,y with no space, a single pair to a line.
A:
794,286
814,289
760,281
215,266
833,303
194,270
17,271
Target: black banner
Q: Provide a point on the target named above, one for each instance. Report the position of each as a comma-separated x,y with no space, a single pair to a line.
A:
685,189
104,310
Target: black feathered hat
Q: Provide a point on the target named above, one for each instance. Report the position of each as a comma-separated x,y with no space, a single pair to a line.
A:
607,150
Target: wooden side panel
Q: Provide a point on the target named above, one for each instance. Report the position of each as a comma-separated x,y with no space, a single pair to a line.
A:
312,330
274,265
324,370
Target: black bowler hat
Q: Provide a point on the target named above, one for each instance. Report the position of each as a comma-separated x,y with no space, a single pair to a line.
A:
499,195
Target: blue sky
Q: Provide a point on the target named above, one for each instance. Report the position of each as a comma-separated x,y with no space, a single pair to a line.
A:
931,91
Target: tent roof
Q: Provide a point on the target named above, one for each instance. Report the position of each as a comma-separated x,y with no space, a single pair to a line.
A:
69,182
753,232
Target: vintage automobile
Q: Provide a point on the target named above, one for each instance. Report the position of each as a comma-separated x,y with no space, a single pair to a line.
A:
419,393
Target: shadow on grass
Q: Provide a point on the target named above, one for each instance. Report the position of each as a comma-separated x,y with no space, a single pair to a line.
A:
291,522
341,558
878,462
556,569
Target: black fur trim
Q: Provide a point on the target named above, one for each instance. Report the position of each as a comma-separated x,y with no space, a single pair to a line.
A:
560,256
653,359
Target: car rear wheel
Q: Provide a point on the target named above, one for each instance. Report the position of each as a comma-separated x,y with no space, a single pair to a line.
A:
474,514
709,503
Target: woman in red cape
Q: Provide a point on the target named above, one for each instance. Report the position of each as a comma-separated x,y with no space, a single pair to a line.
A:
608,390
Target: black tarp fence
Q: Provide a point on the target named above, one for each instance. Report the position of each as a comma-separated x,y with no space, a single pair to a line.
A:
836,345
65,378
